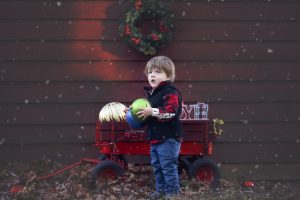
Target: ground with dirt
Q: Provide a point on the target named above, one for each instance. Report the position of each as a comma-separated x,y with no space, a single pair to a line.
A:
137,183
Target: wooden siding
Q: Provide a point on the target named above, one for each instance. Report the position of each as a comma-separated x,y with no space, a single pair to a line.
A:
61,61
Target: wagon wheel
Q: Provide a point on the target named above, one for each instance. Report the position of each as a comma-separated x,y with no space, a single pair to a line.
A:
180,167
185,162
206,171
120,159
107,169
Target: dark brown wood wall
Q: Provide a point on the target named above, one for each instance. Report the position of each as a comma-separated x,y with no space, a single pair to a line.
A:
61,61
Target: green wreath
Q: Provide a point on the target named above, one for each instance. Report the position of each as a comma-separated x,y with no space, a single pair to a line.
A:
159,36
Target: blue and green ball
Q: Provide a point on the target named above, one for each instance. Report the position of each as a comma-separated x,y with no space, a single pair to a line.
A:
131,116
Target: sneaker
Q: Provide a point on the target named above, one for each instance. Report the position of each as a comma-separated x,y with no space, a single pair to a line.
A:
156,195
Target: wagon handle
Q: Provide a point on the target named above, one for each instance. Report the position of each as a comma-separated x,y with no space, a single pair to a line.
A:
91,160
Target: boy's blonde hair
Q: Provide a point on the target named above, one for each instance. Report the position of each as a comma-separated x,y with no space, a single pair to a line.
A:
161,63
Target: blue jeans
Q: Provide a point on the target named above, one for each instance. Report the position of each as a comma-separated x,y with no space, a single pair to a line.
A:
164,160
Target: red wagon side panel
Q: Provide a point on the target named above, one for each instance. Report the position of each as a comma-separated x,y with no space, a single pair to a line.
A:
118,138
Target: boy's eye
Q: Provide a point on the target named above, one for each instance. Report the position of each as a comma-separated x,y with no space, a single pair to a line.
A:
154,71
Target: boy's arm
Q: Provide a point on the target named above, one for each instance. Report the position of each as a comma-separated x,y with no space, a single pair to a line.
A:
169,109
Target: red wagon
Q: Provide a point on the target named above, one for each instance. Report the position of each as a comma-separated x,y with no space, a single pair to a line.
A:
116,139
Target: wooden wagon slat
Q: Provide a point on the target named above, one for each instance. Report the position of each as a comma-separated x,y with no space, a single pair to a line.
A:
190,71
87,113
113,50
275,172
85,133
223,153
185,30
104,92
183,10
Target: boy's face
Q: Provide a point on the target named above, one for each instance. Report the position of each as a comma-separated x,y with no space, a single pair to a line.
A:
156,76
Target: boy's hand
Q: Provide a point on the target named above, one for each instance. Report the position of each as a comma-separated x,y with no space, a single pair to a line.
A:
145,112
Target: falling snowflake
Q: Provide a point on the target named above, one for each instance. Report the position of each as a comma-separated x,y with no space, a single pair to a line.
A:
244,121
2,141
58,3
270,50
234,170
271,33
